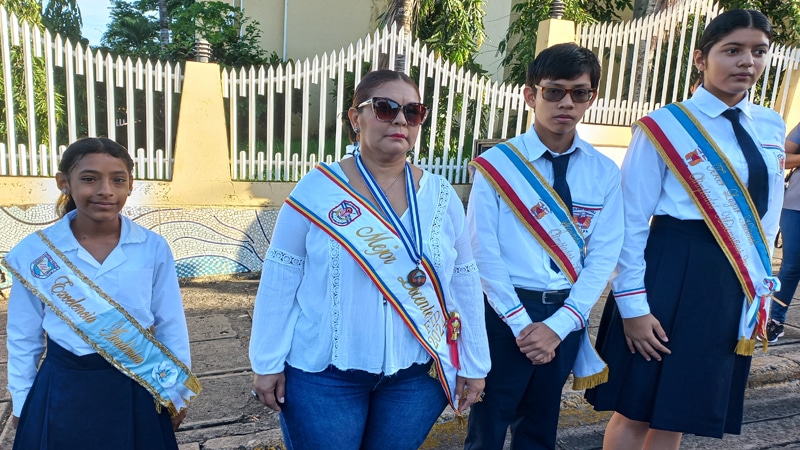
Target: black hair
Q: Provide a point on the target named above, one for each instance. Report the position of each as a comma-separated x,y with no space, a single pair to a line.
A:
78,150
566,61
367,87
730,21
725,24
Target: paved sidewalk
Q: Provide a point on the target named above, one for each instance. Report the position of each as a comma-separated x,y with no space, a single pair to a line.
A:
225,417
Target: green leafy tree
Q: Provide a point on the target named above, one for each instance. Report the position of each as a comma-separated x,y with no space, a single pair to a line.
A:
63,17
30,12
519,45
136,30
451,28
784,16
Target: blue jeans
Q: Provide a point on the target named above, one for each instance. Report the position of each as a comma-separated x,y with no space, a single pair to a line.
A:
354,409
790,267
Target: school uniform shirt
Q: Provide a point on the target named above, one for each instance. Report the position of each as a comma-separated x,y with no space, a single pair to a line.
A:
509,257
316,307
650,188
139,274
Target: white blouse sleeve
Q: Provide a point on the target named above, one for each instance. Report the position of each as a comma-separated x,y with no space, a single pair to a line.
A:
167,307
643,173
467,298
25,343
276,310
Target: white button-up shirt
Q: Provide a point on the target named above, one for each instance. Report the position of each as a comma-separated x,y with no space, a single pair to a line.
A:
508,256
649,187
316,307
139,274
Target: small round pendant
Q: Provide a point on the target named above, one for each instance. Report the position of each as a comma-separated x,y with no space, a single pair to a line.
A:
417,277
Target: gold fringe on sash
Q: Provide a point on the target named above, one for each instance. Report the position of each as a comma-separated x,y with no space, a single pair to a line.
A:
581,383
433,373
746,347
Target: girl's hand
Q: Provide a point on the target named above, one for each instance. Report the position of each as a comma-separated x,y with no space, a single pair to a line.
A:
177,420
468,391
645,335
270,389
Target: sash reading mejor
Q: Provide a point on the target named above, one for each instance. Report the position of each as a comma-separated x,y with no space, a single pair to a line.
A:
723,201
103,323
326,200
540,210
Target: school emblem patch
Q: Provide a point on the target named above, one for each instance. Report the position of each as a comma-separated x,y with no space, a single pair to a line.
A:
694,157
344,213
43,266
583,215
539,210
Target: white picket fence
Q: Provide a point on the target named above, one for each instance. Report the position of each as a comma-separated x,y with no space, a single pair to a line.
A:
647,63
43,162
464,107
293,169
132,102
284,119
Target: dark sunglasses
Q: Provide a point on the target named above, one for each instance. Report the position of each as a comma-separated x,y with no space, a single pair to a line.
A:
386,110
579,95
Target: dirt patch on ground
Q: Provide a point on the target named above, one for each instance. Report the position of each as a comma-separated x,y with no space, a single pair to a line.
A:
220,293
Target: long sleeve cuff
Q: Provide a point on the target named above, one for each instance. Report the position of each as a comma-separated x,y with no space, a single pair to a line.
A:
18,400
564,321
517,318
473,345
632,303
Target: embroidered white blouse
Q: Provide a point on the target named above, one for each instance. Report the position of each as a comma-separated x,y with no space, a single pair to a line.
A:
139,274
649,187
316,307
508,256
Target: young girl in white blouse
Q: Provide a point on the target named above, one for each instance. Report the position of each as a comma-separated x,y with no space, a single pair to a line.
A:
105,293
693,286
369,317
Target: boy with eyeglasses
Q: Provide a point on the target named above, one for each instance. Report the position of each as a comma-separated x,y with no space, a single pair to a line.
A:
545,219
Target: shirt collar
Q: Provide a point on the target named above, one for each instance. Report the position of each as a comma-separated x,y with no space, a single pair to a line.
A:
61,234
712,106
534,148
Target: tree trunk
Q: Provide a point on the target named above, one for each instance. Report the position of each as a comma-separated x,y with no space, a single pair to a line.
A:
642,8
163,21
403,13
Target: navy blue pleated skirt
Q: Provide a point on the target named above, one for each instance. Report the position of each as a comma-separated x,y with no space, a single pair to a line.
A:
82,402
693,291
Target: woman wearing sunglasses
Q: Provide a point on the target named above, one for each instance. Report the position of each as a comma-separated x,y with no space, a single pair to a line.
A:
368,319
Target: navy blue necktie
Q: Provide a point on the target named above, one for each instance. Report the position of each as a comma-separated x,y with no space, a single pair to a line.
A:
560,185
757,184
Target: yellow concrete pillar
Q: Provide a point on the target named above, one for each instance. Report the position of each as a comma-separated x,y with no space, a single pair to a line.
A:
202,171
791,112
554,31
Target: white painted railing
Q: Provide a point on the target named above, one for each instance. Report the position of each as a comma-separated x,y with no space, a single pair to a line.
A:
464,107
132,102
647,63
149,164
284,119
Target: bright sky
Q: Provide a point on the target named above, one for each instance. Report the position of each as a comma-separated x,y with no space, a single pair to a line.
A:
95,14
